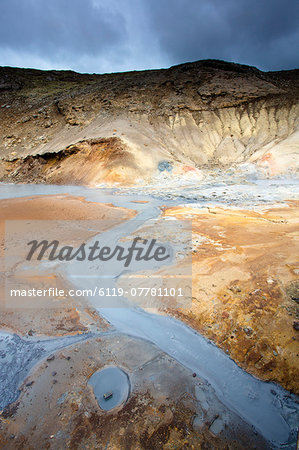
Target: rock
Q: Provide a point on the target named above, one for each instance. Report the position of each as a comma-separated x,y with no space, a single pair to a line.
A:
25,119
9,85
51,358
255,291
217,425
296,325
248,331
235,289
10,410
165,165
62,398
194,374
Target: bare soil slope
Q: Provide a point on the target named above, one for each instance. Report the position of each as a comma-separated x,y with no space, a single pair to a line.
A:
193,116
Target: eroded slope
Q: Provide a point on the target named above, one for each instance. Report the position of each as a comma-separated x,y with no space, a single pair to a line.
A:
203,114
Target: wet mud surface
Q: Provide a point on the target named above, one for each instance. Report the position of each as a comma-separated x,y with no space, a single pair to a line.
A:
19,355
173,398
167,405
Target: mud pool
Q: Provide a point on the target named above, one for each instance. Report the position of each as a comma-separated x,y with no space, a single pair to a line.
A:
110,380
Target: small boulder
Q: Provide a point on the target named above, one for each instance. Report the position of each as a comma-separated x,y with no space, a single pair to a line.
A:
296,325
248,331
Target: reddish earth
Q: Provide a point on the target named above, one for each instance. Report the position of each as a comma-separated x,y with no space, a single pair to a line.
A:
73,314
245,282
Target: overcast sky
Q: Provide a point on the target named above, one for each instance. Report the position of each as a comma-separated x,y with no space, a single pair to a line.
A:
116,35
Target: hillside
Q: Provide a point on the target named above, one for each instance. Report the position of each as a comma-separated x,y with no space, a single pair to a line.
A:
64,127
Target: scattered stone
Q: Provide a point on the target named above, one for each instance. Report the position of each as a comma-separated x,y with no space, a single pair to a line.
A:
217,425
54,373
30,383
248,331
165,165
10,410
235,289
296,325
107,395
54,381
62,398
194,374
25,119
51,358
255,291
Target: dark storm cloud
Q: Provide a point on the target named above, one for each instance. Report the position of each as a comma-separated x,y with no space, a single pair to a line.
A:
112,35
263,33
70,26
